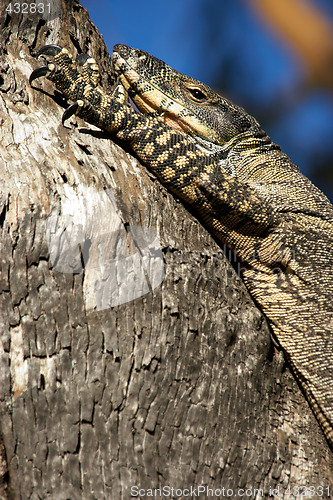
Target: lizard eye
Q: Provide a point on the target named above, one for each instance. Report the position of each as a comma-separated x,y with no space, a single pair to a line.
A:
197,94
141,55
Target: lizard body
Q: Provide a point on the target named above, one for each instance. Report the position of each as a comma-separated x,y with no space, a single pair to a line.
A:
216,158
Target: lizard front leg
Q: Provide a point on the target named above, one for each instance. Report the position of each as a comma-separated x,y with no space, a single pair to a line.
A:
170,154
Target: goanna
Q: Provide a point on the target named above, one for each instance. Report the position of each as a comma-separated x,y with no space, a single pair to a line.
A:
216,158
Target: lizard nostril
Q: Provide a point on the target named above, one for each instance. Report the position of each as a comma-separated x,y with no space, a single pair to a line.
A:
141,55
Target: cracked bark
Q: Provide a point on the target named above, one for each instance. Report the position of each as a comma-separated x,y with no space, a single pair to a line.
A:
179,387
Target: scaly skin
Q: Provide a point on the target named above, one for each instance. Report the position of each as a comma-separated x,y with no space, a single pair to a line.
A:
216,158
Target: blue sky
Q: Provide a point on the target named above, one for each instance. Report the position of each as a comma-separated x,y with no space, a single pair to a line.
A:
222,43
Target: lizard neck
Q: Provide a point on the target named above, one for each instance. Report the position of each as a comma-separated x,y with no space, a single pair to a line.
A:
252,152
250,141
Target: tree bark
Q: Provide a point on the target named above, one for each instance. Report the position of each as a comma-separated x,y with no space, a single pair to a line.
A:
110,381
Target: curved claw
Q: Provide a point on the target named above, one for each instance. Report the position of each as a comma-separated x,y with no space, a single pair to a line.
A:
41,71
70,111
82,58
49,50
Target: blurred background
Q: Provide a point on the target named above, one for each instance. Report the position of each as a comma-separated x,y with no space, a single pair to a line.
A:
273,57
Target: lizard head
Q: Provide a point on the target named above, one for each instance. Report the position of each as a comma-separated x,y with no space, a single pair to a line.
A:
182,102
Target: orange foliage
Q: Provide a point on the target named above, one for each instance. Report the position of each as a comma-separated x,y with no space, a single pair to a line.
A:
306,29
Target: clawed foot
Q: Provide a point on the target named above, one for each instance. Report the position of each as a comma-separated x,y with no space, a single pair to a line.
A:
78,81
75,79
65,66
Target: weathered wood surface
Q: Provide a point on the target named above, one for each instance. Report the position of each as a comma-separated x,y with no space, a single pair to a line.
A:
179,387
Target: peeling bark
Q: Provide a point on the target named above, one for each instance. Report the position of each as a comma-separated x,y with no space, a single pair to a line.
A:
179,384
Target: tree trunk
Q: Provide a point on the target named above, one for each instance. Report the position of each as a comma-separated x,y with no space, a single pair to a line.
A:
132,356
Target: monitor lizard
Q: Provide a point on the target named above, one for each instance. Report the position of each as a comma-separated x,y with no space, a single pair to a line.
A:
217,159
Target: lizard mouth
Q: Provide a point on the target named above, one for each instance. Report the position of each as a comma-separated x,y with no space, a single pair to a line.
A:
150,99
